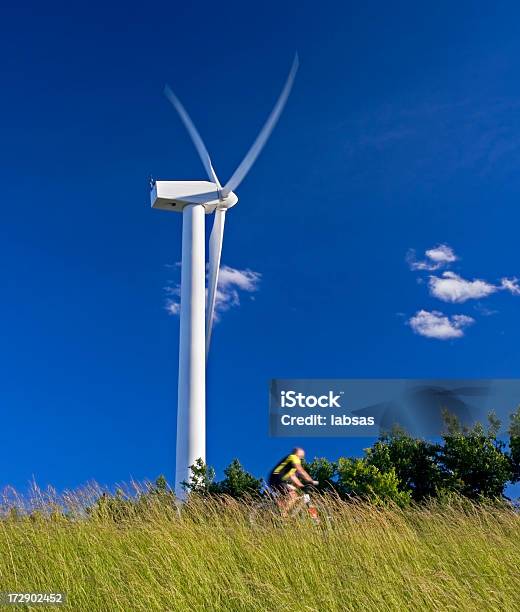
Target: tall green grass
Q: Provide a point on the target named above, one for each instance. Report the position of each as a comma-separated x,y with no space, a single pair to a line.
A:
451,556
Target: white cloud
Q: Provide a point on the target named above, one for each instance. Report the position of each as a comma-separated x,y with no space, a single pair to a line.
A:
442,254
231,283
453,288
510,284
437,325
173,307
436,258
246,280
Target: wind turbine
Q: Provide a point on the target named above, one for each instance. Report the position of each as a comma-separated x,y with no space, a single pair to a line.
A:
194,199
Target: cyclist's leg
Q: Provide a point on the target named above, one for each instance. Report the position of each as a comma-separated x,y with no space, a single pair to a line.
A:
277,490
286,499
291,494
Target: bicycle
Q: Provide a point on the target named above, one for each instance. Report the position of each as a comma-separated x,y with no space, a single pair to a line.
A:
268,507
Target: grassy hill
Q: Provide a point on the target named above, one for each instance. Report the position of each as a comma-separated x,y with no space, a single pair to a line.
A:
456,556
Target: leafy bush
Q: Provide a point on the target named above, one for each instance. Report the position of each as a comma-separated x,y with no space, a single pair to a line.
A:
514,444
356,477
476,460
416,463
322,470
201,481
237,482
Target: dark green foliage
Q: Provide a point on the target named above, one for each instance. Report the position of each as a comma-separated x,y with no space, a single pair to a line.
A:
476,460
514,444
201,480
238,483
161,486
322,470
416,463
357,478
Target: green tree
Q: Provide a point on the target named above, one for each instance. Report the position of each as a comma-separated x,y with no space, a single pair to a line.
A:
161,486
159,492
237,482
415,461
476,460
357,478
202,479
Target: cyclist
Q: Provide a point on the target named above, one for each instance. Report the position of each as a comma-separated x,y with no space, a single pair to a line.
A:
284,479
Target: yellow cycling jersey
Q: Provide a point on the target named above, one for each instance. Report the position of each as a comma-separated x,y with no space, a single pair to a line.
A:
287,467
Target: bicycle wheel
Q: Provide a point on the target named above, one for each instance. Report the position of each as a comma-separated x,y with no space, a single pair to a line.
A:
320,514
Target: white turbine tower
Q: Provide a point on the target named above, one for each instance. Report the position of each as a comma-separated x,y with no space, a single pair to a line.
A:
196,199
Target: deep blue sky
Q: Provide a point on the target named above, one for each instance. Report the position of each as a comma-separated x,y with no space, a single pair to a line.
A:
402,131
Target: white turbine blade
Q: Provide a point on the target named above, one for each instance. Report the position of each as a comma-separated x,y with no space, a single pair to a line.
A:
193,132
261,139
215,252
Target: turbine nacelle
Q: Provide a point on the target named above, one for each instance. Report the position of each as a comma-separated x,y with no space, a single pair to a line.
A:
175,195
